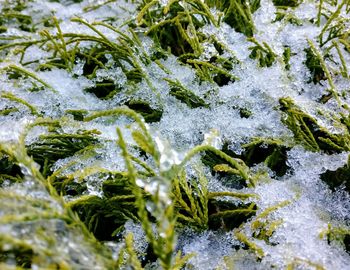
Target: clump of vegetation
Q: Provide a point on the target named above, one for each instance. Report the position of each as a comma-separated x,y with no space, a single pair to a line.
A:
175,25
314,65
185,95
52,147
262,52
309,133
238,14
337,234
176,28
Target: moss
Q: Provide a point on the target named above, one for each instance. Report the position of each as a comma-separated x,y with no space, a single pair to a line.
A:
263,226
248,244
13,98
272,152
24,22
266,231
57,145
104,217
345,120
286,57
134,75
14,74
191,201
8,110
201,210
175,26
228,179
238,13
171,40
335,27
216,69
41,245
17,5
117,185
16,71
339,235
168,35
309,133
285,15
67,186
187,97
245,113
314,65
229,215
262,52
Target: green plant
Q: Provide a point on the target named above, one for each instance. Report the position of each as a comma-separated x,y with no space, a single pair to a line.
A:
337,234
34,212
309,133
175,25
263,53
238,14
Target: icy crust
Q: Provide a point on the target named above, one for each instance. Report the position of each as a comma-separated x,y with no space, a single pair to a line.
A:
311,205
210,248
311,209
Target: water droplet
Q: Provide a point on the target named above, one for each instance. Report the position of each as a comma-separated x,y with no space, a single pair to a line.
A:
168,156
212,138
